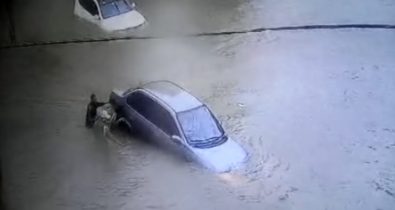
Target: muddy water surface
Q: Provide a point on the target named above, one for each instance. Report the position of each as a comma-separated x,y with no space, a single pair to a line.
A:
317,122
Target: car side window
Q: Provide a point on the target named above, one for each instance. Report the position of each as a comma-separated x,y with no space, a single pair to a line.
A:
153,111
138,101
90,6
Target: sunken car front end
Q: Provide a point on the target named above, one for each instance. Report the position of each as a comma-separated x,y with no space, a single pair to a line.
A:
222,158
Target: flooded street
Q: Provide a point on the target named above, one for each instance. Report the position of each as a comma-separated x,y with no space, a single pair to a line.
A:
313,108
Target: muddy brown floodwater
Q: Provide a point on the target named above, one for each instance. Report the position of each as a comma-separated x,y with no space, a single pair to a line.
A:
314,109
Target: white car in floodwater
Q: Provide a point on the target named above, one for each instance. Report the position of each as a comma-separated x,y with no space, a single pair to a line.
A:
111,15
170,116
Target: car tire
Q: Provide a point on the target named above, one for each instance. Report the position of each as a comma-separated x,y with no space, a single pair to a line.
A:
127,127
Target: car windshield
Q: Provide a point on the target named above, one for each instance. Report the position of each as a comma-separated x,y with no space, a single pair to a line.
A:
200,127
110,8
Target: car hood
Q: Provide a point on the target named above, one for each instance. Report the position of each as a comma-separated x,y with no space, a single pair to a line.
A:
222,158
124,21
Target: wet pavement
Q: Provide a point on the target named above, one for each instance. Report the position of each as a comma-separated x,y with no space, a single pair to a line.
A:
314,109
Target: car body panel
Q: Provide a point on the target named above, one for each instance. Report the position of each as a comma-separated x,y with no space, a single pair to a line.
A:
173,95
122,21
220,158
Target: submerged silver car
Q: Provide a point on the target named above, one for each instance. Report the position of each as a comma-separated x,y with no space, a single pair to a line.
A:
164,112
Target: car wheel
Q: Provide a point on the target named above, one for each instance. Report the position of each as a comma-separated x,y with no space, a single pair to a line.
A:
126,126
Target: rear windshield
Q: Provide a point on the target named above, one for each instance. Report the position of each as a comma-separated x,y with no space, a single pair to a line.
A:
110,8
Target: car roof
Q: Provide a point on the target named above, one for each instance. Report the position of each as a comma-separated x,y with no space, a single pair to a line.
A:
173,95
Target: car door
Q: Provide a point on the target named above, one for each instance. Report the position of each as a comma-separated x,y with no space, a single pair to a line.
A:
137,111
153,119
166,126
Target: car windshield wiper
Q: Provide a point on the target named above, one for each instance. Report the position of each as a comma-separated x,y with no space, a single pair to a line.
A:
208,143
196,140
206,140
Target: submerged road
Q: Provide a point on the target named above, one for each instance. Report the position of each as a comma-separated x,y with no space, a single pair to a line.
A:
314,108
221,33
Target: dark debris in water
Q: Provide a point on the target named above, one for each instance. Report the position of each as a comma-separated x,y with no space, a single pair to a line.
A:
283,197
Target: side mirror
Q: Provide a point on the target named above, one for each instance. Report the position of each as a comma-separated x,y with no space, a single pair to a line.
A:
176,139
